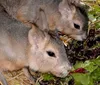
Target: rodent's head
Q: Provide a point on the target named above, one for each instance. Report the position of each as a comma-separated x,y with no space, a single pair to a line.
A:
73,19
47,54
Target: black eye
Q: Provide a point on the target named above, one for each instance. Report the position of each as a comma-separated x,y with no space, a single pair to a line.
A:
51,54
76,26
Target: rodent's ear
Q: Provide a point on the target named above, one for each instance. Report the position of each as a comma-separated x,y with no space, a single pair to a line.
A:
44,21
75,2
35,35
65,7
54,34
84,7
30,35
34,27
68,8
38,37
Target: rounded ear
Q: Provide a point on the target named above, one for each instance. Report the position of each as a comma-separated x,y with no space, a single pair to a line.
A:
44,21
84,7
68,8
54,34
35,35
38,38
75,2
30,36
67,3
65,8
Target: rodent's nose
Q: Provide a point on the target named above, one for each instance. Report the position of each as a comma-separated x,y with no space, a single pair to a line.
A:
69,66
65,73
69,69
84,36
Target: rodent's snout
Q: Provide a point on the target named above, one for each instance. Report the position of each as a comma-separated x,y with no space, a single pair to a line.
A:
62,74
81,37
84,36
62,71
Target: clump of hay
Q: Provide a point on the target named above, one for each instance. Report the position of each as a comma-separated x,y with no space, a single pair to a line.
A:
16,78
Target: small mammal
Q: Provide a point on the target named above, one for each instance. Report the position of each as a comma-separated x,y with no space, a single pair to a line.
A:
21,47
67,16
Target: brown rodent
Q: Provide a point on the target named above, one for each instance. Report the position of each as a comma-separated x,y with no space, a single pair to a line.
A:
67,16
21,47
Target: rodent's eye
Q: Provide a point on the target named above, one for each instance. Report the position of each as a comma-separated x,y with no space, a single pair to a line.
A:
76,26
51,54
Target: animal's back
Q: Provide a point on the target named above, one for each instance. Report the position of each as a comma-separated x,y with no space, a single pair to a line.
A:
13,42
12,26
29,7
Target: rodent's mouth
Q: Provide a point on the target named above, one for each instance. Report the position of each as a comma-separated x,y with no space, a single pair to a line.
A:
60,74
80,37
61,33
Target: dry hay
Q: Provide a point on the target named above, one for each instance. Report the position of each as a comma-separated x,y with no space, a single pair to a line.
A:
16,78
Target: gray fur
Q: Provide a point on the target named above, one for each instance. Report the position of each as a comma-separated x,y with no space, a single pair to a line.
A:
61,14
22,47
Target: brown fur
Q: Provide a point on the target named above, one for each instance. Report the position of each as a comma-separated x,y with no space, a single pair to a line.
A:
61,15
21,47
